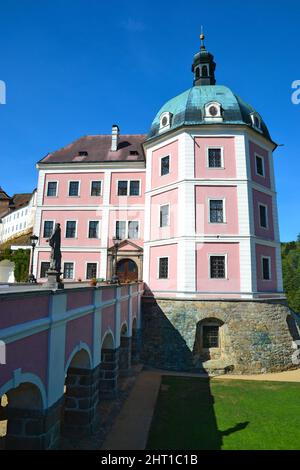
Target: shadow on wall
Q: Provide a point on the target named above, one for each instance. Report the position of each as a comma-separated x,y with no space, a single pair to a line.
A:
182,402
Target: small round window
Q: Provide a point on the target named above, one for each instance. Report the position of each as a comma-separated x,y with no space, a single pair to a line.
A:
213,110
164,121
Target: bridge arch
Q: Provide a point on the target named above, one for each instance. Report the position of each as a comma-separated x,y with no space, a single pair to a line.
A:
81,353
108,340
25,377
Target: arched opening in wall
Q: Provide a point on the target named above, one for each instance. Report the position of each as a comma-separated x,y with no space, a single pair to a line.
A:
125,351
108,384
127,270
204,71
3,420
134,344
81,396
210,341
197,73
22,420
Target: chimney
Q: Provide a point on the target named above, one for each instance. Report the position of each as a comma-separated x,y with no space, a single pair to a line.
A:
114,137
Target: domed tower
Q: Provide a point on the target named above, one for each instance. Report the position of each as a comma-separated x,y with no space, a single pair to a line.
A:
211,226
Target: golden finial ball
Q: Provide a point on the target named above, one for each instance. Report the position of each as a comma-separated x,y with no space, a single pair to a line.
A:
202,36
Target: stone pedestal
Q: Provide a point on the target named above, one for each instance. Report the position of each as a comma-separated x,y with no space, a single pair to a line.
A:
53,280
81,400
125,356
33,429
108,384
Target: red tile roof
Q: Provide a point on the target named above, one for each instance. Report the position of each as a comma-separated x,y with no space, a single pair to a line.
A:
98,150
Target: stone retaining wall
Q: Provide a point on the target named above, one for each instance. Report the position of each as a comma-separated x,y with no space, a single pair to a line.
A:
256,335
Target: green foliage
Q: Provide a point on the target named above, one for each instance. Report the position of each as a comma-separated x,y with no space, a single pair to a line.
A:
291,273
21,258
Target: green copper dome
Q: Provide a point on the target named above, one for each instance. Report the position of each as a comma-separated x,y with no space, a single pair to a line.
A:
187,109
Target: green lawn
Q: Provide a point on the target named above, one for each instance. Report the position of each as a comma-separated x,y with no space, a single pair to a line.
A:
196,413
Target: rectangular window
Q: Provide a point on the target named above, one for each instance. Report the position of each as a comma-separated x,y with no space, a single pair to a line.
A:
210,336
121,229
73,188
217,267
68,270
96,188
266,269
122,188
133,229
134,188
216,211
215,158
93,229
164,216
263,218
48,228
165,165
52,188
45,265
71,229
259,162
163,268
91,270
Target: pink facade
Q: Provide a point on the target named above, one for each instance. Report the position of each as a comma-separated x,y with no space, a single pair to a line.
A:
228,169
171,150
203,196
263,251
126,216
165,198
84,197
205,283
18,311
80,260
78,330
265,200
127,176
108,320
254,150
163,251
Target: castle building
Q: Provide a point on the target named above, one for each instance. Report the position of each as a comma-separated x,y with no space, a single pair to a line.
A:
193,208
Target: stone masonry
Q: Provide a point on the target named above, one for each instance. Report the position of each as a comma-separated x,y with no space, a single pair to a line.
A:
81,400
256,335
124,356
109,368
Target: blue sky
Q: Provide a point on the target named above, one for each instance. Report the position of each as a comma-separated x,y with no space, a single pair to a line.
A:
76,67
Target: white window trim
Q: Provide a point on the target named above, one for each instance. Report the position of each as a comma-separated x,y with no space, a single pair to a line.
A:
88,229
256,155
65,233
40,268
43,225
253,116
79,185
262,268
267,216
138,222
127,228
157,273
57,186
128,187
169,215
74,271
208,117
97,269
168,125
223,199
226,267
159,168
222,167
101,191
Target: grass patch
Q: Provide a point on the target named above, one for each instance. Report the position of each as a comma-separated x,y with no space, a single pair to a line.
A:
199,413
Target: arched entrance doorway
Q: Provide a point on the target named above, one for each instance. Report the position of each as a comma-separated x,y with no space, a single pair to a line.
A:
127,270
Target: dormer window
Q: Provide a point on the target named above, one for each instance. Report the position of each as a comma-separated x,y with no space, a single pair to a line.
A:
256,121
213,112
165,121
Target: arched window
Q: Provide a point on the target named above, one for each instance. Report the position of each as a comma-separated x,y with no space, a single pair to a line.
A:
197,73
204,71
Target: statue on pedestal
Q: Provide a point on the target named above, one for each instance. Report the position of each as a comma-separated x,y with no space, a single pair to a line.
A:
54,271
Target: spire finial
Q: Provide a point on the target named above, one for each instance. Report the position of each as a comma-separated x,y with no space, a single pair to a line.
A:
202,37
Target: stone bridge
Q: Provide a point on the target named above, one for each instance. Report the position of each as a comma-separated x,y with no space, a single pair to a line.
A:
64,352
